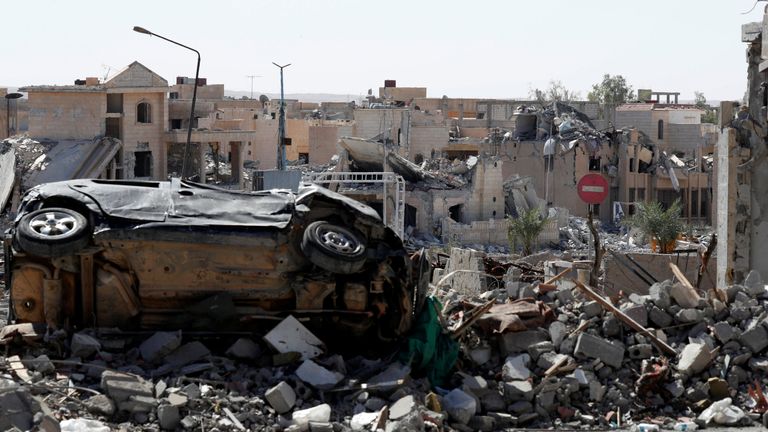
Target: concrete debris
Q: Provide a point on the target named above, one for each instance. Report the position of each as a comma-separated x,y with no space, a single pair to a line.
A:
281,397
291,336
551,361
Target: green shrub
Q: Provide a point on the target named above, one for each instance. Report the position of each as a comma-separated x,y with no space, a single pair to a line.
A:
526,229
656,223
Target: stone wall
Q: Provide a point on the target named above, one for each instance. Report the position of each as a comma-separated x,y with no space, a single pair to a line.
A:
67,115
619,278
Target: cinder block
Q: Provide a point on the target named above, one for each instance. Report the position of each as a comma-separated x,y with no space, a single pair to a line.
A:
610,353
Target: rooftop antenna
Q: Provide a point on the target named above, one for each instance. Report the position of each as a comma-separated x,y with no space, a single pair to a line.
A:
252,77
106,74
281,137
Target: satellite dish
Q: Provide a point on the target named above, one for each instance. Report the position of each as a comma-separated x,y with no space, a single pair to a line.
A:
263,99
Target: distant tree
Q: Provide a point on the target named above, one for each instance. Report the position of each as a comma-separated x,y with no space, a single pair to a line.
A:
612,90
556,92
710,114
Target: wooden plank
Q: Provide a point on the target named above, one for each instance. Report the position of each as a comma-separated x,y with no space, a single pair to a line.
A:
684,281
660,344
18,368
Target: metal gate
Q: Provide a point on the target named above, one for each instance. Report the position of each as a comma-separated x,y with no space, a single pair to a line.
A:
392,186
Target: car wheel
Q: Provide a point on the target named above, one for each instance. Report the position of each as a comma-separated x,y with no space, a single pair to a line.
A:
53,232
333,248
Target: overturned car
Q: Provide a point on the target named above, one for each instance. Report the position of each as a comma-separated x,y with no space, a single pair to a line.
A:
176,254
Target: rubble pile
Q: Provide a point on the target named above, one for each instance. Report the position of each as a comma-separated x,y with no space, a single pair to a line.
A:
31,155
503,349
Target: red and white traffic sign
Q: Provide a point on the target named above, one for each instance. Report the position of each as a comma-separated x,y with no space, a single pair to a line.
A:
592,188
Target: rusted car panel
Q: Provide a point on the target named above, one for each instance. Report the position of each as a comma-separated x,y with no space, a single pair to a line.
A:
148,254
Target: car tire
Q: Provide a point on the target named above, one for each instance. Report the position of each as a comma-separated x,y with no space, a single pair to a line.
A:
53,232
333,248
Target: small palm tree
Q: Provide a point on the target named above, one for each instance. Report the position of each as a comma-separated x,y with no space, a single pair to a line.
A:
526,229
657,223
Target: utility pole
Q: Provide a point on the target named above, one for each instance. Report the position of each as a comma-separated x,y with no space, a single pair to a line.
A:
252,77
281,134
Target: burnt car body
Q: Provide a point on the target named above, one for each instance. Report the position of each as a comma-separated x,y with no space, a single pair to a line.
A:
176,254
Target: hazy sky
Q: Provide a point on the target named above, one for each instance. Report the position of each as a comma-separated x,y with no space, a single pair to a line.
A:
485,49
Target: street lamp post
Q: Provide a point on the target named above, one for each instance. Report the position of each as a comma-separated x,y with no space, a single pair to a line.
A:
8,98
281,134
194,96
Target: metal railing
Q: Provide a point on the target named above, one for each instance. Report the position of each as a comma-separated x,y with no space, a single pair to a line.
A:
392,186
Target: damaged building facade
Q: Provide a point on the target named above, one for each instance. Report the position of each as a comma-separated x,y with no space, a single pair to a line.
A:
742,169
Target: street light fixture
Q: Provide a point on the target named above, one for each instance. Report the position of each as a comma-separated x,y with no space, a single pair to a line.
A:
281,138
194,95
8,98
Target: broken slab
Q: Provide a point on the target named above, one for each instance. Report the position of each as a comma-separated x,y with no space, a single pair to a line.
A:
693,359
319,413
122,386
318,376
460,406
516,368
244,349
291,336
609,352
514,342
159,345
187,354
84,345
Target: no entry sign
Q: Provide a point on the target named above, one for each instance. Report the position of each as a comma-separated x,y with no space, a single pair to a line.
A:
592,188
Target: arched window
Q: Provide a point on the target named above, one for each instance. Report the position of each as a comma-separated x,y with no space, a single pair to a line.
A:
661,129
144,113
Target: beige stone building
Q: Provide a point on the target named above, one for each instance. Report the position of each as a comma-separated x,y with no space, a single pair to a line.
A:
131,107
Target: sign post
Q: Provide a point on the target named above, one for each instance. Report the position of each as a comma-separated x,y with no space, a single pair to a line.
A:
593,189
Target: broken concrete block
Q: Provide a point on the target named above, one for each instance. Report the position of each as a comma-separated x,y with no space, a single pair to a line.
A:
689,316
493,401
557,332
100,405
591,309
244,349
756,338
404,406
281,397
84,345
42,364
640,351
515,342
659,317
659,294
723,331
319,413
515,368
168,417
638,313
754,283
120,386
683,296
693,359
159,345
177,399
542,347
549,359
363,421
395,374
518,390
610,353
187,354
318,376
611,326
460,406
19,409
291,336
480,355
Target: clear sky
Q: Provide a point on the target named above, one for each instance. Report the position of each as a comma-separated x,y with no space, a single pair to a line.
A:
484,49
